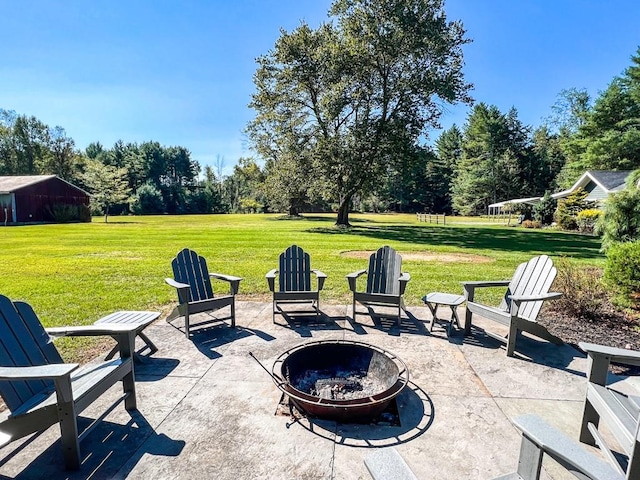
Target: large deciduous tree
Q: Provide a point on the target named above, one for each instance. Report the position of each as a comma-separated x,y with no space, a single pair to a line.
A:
362,89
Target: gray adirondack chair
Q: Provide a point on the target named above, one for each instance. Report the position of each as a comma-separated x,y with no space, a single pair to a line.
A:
192,280
526,292
540,438
294,281
40,390
619,413
386,283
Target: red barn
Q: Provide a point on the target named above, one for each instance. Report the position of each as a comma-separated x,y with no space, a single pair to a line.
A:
41,198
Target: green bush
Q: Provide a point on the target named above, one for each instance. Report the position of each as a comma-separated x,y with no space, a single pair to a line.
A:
622,269
620,221
68,213
544,209
587,219
147,200
566,215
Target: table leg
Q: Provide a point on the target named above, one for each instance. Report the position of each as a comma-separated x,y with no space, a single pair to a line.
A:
152,347
434,314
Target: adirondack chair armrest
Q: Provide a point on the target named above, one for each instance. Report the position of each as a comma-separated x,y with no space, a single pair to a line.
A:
535,298
92,330
352,277
321,276
547,439
51,371
234,282
404,279
614,354
172,283
271,279
470,286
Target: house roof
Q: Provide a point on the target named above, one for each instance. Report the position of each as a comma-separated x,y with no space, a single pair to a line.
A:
12,183
608,180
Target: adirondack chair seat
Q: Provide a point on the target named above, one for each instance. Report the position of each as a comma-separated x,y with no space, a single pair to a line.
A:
192,281
40,390
619,412
527,290
386,283
82,378
294,281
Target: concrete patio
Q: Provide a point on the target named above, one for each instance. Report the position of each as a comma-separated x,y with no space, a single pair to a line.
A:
208,410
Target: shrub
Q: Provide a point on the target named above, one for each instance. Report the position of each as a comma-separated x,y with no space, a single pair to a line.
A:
584,294
620,221
148,199
587,219
531,224
67,213
567,213
543,210
622,269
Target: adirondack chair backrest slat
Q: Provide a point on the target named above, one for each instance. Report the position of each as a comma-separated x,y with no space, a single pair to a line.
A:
384,271
294,270
23,343
188,267
534,277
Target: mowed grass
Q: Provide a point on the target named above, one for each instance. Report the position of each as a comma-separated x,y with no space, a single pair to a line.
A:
75,273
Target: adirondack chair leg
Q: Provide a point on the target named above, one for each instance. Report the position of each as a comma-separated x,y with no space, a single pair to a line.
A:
354,310
511,339
68,428
233,313
598,368
530,461
273,316
186,323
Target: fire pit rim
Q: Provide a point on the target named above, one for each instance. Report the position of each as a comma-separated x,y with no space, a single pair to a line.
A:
286,387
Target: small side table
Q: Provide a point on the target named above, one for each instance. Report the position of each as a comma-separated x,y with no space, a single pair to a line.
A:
434,299
141,319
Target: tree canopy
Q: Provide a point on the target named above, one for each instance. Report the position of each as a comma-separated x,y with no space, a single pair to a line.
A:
361,90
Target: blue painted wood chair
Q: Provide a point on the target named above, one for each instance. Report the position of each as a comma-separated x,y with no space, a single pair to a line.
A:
192,280
40,390
295,281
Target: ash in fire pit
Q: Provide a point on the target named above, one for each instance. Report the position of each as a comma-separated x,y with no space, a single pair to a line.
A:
341,380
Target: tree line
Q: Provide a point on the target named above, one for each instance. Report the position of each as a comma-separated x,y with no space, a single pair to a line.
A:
342,118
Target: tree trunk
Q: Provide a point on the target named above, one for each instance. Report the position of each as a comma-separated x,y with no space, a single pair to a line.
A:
343,212
293,211
106,214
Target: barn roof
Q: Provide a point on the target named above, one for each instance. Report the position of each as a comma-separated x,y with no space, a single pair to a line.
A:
12,183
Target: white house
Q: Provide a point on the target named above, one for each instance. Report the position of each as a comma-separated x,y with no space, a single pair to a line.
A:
598,183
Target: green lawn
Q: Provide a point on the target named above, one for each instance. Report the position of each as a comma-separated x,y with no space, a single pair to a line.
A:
73,274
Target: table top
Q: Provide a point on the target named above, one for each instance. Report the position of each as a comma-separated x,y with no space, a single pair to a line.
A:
129,318
443,298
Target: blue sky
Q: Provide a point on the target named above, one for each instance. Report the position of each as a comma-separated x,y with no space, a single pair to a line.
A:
180,73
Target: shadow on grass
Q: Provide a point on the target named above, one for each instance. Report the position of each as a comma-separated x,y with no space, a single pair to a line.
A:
479,238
